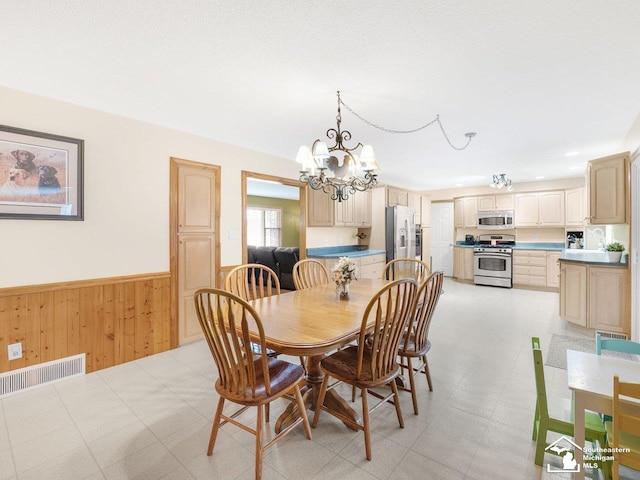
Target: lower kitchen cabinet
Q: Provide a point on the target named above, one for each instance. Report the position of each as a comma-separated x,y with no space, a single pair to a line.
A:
463,263
369,266
595,296
536,268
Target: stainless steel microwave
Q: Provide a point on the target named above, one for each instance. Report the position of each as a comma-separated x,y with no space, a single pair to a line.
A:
497,220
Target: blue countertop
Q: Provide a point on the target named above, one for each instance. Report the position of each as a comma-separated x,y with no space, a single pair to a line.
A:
592,257
551,246
342,251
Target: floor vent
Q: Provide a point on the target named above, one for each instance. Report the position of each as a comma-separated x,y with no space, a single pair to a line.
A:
621,336
41,374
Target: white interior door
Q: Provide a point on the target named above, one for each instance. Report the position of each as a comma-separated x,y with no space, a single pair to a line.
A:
442,236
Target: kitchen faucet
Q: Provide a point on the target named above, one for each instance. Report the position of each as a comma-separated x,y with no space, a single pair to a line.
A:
601,242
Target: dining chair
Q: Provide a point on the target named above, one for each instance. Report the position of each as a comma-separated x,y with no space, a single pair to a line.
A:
556,415
616,345
373,363
415,341
252,281
406,268
309,273
626,426
244,377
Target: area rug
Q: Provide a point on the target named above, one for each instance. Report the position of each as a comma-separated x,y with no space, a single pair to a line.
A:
557,352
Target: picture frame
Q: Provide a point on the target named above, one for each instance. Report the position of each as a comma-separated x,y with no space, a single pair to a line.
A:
41,175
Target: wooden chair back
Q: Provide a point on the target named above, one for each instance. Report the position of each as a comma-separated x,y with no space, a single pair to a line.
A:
616,345
383,323
427,298
252,281
227,321
309,273
406,268
542,408
626,425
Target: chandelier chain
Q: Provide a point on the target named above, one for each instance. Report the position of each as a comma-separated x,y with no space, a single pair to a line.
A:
389,130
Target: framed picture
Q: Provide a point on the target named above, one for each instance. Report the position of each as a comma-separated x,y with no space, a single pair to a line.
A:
40,175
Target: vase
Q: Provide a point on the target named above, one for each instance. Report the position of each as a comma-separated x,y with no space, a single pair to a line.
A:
614,257
343,291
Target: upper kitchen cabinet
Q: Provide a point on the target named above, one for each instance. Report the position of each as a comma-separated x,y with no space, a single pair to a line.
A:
574,202
608,189
465,212
413,201
320,209
425,211
362,209
495,202
396,196
539,209
345,212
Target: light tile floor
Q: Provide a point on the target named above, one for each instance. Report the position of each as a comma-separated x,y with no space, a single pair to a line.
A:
151,419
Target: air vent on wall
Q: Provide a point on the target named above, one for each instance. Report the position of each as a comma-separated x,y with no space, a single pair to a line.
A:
621,336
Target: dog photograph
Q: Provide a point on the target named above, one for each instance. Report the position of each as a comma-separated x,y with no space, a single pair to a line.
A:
32,174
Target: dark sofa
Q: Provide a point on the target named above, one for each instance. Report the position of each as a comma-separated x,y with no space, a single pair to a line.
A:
279,259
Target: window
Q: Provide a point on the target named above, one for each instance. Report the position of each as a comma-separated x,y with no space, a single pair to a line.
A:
264,226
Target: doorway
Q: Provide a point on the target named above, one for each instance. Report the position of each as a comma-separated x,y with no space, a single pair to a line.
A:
269,186
442,237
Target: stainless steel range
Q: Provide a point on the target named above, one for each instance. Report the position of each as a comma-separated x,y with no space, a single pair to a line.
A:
492,260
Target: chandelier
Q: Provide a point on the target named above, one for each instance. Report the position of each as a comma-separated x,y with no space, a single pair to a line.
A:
335,169
500,181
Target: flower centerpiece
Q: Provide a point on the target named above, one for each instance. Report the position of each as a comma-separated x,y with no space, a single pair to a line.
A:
344,273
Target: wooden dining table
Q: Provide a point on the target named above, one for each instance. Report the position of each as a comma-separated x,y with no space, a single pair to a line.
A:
310,323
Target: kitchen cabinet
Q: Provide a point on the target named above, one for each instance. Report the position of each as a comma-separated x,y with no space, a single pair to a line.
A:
495,202
530,268
458,213
425,211
573,293
574,207
396,196
553,269
426,246
368,266
320,209
595,296
608,190
539,209
465,212
463,263
414,201
325,212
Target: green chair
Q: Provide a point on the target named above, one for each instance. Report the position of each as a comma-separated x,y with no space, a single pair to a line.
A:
616,345
556,415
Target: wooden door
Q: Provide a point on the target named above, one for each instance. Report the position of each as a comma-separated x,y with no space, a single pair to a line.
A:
195,244
471,212
608,299
505,201
362,210
486,203
458,212
553,269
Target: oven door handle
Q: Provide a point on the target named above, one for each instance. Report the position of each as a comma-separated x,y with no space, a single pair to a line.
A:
485,255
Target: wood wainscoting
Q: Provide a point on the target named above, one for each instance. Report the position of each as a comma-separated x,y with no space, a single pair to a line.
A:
112,320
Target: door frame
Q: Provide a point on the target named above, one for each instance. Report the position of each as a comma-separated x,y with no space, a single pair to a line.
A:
633,254
303,208
174,165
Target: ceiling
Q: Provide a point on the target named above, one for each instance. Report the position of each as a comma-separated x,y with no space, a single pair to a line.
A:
536,80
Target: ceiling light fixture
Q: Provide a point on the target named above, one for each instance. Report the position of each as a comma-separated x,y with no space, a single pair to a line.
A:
339,176
344,181
500,181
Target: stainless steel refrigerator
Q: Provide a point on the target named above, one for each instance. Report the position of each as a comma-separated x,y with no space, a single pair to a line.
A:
400,232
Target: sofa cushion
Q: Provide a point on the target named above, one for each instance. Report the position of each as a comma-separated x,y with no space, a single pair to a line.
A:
286,258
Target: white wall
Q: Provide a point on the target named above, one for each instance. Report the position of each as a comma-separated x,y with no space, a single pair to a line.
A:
126,200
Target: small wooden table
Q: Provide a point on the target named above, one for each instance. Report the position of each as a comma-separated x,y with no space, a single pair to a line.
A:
590,378
310,323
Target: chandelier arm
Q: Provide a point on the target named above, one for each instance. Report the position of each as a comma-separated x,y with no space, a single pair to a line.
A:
388,130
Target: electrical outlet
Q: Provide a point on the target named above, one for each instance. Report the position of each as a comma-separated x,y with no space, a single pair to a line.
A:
15,351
